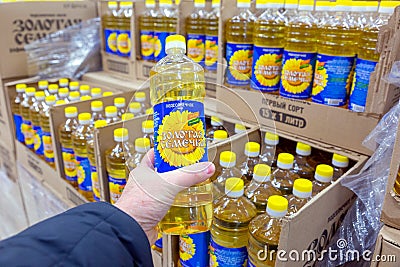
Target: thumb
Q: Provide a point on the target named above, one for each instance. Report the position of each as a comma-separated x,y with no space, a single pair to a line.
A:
191,175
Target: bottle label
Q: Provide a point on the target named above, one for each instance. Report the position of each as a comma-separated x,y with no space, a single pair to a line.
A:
116,185
69,164
179,134
26,129
297,74
48,147
147,45
37,140
83,173
332,79
124,44
227,257
239,58
195,47
18,129
267,68
193,249
111,41
211,61
359,88
250,264
159,44
158,243
95,183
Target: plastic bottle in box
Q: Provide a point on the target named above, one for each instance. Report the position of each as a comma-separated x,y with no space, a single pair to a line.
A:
16,110
302,192
35,111
283,176
112,114
195,32
124,38
301,165
322,179
26,126
340,165
47,139
109,25
120,103
97,110
252,153
146,26
212,42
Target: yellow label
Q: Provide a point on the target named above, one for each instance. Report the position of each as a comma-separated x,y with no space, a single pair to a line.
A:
112,42
48,147
95,184
124,43
69,164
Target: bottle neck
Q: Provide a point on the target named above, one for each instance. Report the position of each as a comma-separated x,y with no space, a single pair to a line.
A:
175,51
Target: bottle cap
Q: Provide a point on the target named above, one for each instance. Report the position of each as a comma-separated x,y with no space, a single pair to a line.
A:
50,100
220,135
111,111
216,3
84,118
121,135
63,82
100,123
95,92
142,145
40,95
127,116
20,87
125,4
175,41
388,7
148,126
149,111
71,112
234,187
291,4
84,88
302,188
86,97
43,84
165,3
199,3
243,3
239,128
252,149
63,92
215,121
307,5
53,88
271,139
285,161
303,149
74,96
277,206
323,173
150,3
96,105
261,4
108,93
119,102
140,96
227,159
262,173
73,86
30,91
112,5
135,107
60,102
340,161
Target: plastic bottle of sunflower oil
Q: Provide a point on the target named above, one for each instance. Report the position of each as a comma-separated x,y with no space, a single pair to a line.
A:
16,110
239,128
193,249
269,38
340,164
109,25
299,54
142,145
195,32
141,98
135,108
177,91
63,82
97,110
26,126
146,25
148,131
219,136
73,86
229,231
283,176
216,124
252,152
322,179
323,12
239,46
302,192
43,85
96,92
301,165
211,32
35,111
63,94
336,54
52,89
165,25
120,103
47,140
124,43
270,149
111,113
74,96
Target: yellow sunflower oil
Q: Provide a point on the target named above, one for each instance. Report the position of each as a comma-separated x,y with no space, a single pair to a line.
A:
65,132
322,178
80,137
84,90
73,86
302,192
177,90
148,131
74,96
195,32
283,176
63,94
93,163
260,187
52,89
120,103
211,33
97,110
264,233
124,43
336,54
239,46
340,165
26,126
43,86
135,108
229,231
109,25
165,25
35,111
142,145
95,92
47,140
140,97
300,53
63,82
112,114
270,149
301,165
146,26
116,159
269,38
252,153
239,128
16,110
216,124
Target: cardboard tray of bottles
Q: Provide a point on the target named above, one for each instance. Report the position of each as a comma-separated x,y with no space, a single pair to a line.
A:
107,79
387,248
337,126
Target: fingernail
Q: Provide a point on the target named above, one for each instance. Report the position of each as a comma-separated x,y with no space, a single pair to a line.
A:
210,169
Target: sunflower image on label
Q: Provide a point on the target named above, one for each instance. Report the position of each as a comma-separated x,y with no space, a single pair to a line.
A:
27,131
240,59
193,249
116,185
179,134
95,183
18,130
159,44
69,162
147,45
195,47
111,41
267,68
37,140
297,74
332,79
211,53
48,147
83,173
124,43
227,257
359,88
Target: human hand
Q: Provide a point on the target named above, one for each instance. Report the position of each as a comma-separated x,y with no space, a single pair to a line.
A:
148,195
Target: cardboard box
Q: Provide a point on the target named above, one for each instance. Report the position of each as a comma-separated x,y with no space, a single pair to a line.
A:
25,22
106,79
387,248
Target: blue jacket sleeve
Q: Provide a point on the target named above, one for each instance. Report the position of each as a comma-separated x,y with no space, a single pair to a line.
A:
94,234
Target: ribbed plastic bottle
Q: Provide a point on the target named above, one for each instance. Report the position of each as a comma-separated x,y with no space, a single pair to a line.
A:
239,128
270,149
97,110
142,145
35,111
239,46
148,131
43,85
165,25
195,32
340,165
302,192
120,103
301,165
63,94
216,124
111,114
212,41
322,179
52,89
283,176
16,110
47,139
141,98
124,38
252,153
84,89
135,108
26,126
146,26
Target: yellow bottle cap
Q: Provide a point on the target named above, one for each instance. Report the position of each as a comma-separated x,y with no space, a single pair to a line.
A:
234,187
175,41
302,188
252,149
199,3
108,93
53,87
220,135
150,2
84,117
63,81
239,128
140,96
119,102
271,139
20,87
243,3
216,3
149,111
215,121
63,91
40,95
96,105
84,88
95,91
121,135
148,126
126,4
112,4
142,144
30,91
50,100
340,161
74,94
100,123
285,161
127,116
262,173
303,149
135,106
227,159
111,111
43,84
86,97
71,111
165,2
323,173
60,102
277,206
74,85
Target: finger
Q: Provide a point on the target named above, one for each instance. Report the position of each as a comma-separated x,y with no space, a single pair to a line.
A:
148,159
190,175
